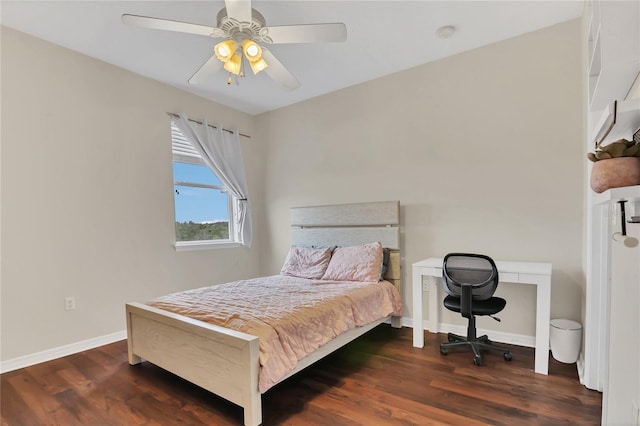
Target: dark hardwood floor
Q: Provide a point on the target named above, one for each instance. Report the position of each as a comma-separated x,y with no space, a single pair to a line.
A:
379,379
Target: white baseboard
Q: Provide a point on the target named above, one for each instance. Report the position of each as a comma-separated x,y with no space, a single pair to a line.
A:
49,354
60,351
496,336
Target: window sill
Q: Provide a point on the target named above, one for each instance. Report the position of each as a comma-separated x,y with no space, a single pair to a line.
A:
204,245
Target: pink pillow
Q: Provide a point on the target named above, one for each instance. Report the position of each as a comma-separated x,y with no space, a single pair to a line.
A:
306,262
355,263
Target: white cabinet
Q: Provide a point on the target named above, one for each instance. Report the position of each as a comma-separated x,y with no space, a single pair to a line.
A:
613,64
621,397
621,385
613,68
613,50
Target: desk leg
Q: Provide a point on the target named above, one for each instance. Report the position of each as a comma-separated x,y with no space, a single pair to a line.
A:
434,306
543,316
418,331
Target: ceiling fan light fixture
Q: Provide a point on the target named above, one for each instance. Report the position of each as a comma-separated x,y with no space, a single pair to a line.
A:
259,65
225,50
242,31
234,64
251,50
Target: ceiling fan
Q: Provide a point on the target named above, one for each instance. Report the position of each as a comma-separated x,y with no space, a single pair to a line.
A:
245,34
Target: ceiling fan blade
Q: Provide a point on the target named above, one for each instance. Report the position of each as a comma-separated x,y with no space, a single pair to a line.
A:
210,67
309,33
168,25
278,72
239,10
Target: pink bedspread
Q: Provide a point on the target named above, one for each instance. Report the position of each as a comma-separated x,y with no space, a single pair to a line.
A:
291,316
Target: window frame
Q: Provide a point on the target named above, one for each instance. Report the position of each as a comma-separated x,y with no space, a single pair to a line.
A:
187,154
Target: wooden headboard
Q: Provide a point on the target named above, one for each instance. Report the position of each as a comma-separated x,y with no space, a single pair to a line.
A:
351,224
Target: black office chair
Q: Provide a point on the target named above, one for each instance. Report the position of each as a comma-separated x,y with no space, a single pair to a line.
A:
470,280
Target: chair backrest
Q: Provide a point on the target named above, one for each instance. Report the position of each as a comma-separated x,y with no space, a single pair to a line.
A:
475,269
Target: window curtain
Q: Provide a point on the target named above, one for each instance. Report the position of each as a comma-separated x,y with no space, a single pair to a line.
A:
220,150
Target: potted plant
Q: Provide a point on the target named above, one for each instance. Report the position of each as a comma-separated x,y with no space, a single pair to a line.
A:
615,165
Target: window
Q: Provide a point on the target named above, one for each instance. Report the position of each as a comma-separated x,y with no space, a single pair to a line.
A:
203,207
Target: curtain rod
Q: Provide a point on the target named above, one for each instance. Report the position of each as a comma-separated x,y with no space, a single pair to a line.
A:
173,114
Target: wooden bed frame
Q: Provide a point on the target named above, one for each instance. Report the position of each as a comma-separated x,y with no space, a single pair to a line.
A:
225,361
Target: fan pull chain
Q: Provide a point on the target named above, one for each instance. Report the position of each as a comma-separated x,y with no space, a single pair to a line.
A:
230,79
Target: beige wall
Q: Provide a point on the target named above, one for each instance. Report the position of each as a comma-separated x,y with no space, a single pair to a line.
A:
483,150
87,207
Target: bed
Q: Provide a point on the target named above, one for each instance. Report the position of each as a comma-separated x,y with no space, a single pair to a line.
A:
227,362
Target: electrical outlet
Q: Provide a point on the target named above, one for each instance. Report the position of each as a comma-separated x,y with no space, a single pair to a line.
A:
69,303
425,286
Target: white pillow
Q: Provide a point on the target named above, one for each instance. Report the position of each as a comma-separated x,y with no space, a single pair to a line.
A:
355,263
305,262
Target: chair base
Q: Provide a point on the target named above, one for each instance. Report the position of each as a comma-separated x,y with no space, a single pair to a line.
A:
475,345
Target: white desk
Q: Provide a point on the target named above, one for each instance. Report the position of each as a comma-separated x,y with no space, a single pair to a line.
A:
538,274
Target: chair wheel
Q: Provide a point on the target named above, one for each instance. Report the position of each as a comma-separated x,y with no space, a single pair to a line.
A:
507,356
443,351
450,338
477,360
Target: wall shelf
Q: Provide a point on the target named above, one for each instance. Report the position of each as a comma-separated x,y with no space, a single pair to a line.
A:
630,193
617,122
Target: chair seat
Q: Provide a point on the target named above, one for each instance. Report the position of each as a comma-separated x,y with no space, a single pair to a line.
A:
489,306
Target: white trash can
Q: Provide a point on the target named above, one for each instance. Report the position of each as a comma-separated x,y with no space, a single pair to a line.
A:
565,339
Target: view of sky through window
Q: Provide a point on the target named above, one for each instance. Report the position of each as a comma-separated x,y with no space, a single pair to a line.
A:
194,204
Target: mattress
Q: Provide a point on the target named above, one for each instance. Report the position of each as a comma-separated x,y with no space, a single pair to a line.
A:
292,316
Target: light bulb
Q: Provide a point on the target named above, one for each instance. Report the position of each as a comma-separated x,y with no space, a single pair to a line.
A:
225,50
251,50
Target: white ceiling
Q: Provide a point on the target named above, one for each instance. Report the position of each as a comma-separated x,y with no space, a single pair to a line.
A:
384,37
